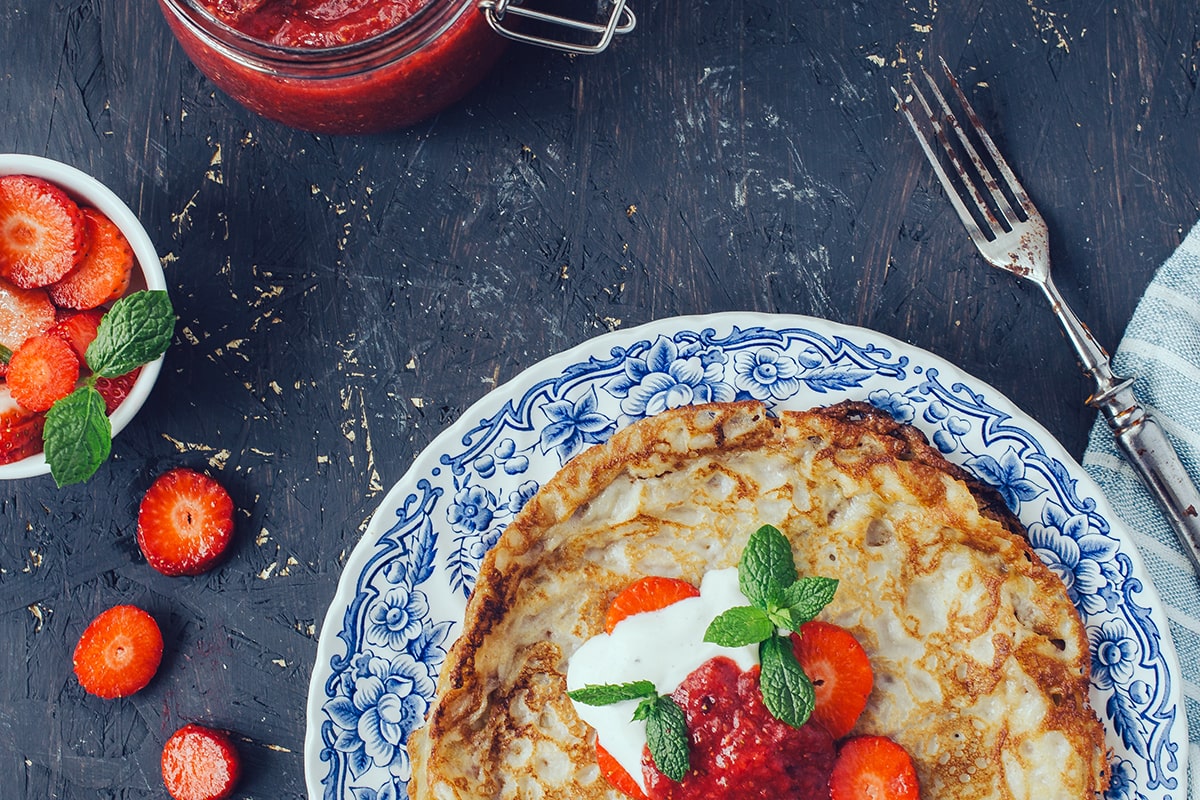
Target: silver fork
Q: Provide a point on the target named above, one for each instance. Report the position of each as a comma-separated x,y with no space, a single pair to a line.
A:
1011,235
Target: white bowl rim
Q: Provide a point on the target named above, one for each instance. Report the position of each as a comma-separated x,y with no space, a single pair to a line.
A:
91,191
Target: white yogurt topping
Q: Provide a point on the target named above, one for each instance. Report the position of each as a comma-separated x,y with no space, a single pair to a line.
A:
662,647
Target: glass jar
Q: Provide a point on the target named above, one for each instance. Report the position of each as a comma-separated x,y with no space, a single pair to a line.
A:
391,79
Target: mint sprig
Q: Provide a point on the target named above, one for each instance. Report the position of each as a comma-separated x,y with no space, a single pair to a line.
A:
605,694
78,434
787,691
666,735
135,331
666,724
779,600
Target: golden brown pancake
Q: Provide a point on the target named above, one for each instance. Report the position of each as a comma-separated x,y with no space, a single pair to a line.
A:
981,662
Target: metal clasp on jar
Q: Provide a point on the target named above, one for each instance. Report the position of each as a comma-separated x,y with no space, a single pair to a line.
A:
620,20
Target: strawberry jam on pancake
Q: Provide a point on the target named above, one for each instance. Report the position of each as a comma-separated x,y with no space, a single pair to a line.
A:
738,750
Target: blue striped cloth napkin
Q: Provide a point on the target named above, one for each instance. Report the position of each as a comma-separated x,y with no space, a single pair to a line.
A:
1161,348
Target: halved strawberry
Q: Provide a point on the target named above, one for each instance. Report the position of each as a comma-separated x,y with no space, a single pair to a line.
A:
42,235
105,270
115,390
20,429
42,371
23,313
647,594
199,763
840,671
873,767
78,329
185,522
119,652
616,775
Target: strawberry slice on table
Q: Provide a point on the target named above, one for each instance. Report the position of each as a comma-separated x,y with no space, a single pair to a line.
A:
23,313
105,270
875,768
78,329
840,672
651,593
185,522
42,371
119,652
20,429
199,763
42,234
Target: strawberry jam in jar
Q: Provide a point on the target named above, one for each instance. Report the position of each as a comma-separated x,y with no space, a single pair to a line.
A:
363,66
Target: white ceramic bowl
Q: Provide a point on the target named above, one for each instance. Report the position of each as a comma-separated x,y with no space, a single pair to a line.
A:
147,274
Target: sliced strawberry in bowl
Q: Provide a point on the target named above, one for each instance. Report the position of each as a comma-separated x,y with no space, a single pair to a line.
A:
78,329
115,390
118,653
199,763
840,671
20,429
185,522
23,313
104,272
42,371
42,234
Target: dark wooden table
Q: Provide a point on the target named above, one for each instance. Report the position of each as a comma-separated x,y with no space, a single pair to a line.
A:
341,300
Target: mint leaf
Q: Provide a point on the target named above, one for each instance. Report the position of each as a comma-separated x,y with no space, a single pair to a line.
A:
767,566
805,598
786,691
783,618
77,437
605,694
739,626
666,735
666,725
135,331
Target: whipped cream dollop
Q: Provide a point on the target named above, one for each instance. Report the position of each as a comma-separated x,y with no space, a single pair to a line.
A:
662,647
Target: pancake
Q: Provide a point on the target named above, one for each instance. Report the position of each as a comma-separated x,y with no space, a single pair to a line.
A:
981,661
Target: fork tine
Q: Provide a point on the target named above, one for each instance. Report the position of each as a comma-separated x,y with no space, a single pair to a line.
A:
1006,172
1007,213
995,226
964,214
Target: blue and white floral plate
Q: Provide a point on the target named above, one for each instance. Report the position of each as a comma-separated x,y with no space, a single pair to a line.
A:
401,600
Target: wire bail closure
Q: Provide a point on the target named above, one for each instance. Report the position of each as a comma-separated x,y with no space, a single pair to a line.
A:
620,21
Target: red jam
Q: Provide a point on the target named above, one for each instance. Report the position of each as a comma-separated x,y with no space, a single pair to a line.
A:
338,66
738,749
312,23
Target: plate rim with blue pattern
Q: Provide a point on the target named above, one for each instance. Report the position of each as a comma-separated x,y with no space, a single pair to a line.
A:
401,597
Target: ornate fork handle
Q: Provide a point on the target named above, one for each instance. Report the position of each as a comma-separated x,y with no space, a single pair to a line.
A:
1138,434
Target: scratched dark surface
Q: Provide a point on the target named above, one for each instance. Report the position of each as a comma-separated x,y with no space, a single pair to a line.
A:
341,300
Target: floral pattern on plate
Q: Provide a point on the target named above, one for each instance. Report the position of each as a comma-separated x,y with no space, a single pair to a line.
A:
403,595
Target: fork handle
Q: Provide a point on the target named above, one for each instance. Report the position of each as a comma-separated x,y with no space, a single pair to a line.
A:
1157,464
1138,434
